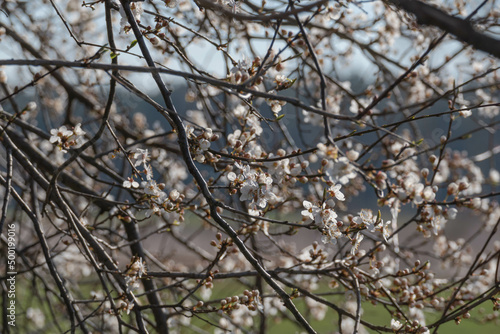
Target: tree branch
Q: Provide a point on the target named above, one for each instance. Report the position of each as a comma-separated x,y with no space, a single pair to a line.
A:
460,28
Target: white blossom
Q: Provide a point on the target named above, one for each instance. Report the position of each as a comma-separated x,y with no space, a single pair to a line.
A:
396,325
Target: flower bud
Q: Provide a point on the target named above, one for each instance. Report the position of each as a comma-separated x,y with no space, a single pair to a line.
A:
31,106
452,188
3,77
425,172
154,40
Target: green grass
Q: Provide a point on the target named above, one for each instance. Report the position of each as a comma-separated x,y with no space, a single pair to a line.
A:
376,315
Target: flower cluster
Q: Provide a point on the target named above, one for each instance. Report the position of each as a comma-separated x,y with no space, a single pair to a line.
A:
158,200
240,310
137,10
275,104
135,270
240,72
433,218
324,216
285,168
250,299
199,144
255,187
337,169
67,138
366,220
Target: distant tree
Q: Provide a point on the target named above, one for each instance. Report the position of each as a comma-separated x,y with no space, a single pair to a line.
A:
285,195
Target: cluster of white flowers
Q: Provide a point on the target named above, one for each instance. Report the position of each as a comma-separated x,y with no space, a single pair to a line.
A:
433,218
199,144
239,73
135,270
137,10
255,187
366,220
324,216
338,169
333,103
158,200
414,190
455,252
243,142
281,168
66,138
275,104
